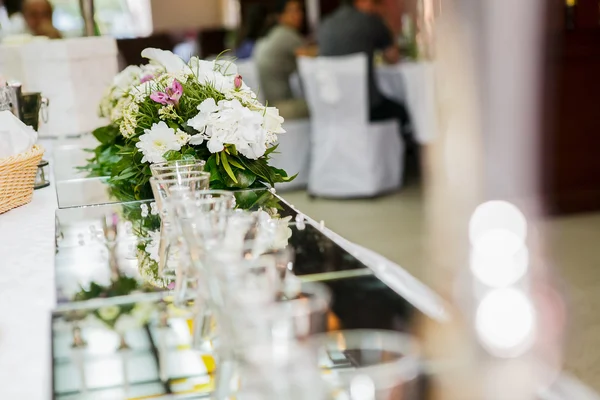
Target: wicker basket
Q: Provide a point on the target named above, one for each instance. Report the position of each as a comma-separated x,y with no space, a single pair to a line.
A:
17,176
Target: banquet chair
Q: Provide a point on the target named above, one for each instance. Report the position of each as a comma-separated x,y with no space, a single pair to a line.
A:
350,156
293,152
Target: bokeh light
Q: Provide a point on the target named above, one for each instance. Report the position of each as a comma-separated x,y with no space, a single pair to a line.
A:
497,227
362,387
505,322
499,270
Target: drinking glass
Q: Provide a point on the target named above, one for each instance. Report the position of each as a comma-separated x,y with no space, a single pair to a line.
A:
280,370
199,217
165,185
369,364
171,249
177,166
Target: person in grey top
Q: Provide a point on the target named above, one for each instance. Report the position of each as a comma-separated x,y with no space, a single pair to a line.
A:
275,57
355,28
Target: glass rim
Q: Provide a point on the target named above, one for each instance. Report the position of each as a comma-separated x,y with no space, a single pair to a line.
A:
174,177
213,193
175,163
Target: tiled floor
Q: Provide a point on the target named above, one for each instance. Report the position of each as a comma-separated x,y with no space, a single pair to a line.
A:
393,226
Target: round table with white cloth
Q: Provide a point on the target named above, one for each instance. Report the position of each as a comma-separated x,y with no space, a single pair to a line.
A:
413,84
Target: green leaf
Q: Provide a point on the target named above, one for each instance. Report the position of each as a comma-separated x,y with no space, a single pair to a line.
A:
172,155
271,150
218,158
173,125
227,167
106,134
245,179
235,163
126,174
258,167
211,166
245,199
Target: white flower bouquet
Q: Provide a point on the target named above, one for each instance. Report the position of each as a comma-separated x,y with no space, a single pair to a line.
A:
172,110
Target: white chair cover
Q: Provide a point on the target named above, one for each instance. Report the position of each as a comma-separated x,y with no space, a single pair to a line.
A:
412,83
294,145
293,153
247,69
350,157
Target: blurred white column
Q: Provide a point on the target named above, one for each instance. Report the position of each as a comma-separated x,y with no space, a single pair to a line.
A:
505,339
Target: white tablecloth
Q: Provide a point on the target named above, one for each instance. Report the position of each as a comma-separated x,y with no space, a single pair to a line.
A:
27,297
413,84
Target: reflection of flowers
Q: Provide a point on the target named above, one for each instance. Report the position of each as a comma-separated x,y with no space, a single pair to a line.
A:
281,230
153,245
148,258
122,318
139,315
121,286
109,313
282,233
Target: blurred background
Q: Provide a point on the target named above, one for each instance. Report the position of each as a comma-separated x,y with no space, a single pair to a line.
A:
394,223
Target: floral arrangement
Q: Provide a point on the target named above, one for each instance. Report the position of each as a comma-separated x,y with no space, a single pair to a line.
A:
170,110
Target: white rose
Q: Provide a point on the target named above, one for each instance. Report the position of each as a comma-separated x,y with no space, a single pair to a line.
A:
171,62
273,120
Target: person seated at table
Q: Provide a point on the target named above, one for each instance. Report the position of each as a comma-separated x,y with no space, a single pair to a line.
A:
36,17
275,57
256,25
354,28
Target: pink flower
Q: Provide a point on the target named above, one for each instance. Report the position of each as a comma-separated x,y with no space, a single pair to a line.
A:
147,78
171,95
237,81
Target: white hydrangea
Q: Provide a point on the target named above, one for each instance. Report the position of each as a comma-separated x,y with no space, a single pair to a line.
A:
156,141
229,122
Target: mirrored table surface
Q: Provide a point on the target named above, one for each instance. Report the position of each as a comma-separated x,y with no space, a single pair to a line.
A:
143,349
83,258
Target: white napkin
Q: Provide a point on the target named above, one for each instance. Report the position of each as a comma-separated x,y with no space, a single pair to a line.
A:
15,136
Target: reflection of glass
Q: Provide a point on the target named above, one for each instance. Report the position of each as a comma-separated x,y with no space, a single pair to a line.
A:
281,371
89,356
369,364
197,217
